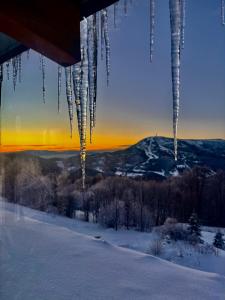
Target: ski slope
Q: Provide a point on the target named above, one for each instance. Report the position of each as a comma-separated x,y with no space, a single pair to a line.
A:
40,260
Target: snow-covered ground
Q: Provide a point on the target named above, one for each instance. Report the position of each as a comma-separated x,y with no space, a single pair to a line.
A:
44,257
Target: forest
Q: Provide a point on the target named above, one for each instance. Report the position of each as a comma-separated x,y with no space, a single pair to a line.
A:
116,201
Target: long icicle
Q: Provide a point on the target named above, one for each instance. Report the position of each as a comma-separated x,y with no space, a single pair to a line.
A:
183,21
59,85
8,69
15,71
102,33
42,62
95,67
107,42
76,73
152,27
125,7
90,47
223,12
175,24
69,97
20,67
115,11
84,97
92,68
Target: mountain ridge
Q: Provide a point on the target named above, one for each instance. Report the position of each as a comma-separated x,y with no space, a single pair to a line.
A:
151,158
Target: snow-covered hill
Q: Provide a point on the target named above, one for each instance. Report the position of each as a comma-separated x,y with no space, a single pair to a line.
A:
42,259
153,158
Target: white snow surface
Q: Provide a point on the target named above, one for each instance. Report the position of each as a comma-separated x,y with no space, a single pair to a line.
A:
45,257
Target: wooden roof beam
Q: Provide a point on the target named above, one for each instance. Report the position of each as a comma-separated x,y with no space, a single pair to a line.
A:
47,26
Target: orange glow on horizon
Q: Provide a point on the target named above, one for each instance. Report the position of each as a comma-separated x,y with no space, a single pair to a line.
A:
57,148
53,140
59,139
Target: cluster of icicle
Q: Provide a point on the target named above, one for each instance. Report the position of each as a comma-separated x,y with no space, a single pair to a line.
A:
81,79
16,64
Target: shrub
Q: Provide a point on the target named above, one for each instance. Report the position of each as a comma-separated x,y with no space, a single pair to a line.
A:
175,232
194,230
218,240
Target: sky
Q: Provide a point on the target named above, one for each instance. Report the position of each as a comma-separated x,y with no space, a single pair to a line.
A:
138,101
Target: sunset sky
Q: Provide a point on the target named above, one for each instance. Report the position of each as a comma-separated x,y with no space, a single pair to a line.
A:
138,102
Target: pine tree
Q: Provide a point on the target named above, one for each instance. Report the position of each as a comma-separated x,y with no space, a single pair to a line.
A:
194,229
218,240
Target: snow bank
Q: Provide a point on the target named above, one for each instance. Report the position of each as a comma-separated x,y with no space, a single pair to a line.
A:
43,261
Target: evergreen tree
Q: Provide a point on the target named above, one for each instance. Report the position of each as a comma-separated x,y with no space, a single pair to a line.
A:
218,240
194,229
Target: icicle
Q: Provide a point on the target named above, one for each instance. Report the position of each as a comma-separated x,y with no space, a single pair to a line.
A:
183,21
83,96
102,33
92,68
90,41
42,66
223,12
95,67
69,97
20,67
115,11
7,69
107,43
175,24
152,27
59,85
15,71
76,88
125,7
98,25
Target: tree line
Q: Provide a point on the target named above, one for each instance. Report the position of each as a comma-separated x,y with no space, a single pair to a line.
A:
117,201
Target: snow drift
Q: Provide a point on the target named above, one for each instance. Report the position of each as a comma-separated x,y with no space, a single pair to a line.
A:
40,260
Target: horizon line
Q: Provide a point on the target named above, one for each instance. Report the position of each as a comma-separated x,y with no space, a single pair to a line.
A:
63,148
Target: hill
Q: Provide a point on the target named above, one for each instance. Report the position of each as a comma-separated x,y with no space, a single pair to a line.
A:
153,158
42,260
